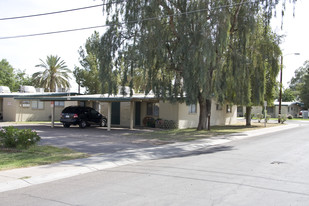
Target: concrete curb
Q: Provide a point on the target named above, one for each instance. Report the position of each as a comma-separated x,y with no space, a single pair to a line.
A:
24,177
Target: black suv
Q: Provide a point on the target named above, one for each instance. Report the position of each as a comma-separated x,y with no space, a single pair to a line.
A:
82,116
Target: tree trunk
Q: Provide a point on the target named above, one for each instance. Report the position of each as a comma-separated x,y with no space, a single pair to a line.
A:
204,119
248,116
208,112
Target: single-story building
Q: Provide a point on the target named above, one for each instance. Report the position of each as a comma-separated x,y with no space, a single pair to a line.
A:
288,108
121,110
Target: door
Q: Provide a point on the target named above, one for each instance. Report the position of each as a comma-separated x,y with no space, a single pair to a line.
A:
95,116
115,113
137,113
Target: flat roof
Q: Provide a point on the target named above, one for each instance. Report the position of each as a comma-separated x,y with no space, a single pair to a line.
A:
289,103
89,97
38,94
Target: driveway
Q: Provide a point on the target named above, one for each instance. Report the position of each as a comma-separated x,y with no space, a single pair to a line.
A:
91,140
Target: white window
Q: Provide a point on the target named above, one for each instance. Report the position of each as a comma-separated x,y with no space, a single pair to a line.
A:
192,109
37,104
59,103
25,104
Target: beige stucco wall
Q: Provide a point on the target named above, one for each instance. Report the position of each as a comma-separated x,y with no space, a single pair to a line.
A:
143,111
14,111
231,118
9,109
179,112
222,117
168,111
103,108
31,114
124,112
187,119
294,110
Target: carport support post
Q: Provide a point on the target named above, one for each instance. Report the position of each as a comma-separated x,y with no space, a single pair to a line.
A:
131,114
52,105
109,116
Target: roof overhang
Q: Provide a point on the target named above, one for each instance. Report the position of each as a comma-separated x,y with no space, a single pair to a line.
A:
94,97
289,104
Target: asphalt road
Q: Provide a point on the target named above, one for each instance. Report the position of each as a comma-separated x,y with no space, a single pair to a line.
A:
92,140
263,170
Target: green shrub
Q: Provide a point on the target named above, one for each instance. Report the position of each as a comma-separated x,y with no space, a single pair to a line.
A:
11,137
290,116
282,118
252,115
159,123
259,117
149,122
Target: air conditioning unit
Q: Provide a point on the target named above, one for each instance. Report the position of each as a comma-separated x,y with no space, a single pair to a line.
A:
39,90
27,89
124,90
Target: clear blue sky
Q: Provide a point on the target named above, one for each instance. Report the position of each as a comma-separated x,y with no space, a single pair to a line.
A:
24,53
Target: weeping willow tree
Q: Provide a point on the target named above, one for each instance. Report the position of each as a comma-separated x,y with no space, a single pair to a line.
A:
187,50
252,62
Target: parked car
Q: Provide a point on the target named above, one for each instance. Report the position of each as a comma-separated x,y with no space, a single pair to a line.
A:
301,112
82,116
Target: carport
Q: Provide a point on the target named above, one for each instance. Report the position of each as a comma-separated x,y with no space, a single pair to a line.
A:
99,98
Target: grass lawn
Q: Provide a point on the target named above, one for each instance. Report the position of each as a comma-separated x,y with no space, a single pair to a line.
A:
181,135
36,155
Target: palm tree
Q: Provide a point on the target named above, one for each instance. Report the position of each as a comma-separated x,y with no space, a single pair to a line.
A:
56,74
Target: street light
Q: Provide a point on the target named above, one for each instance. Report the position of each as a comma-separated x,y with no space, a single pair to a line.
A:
280,92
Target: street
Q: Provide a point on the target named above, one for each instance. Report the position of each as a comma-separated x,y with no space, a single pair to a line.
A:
263,170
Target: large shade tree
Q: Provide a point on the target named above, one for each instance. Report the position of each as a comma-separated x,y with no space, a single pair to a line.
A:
13,78
88,76
183,47
304,92
55,74
253,63
6,74
298,80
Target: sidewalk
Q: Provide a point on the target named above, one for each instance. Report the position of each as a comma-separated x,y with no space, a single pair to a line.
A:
24,177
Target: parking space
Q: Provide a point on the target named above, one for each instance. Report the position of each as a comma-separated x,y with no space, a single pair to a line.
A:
92,140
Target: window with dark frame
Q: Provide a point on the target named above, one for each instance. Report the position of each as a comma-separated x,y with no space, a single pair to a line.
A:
192,109
152,109
59,103
25,104
149,109
218,106
35,104
228,108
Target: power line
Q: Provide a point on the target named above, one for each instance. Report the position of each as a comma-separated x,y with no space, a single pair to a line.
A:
52,32
119,23
57,12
